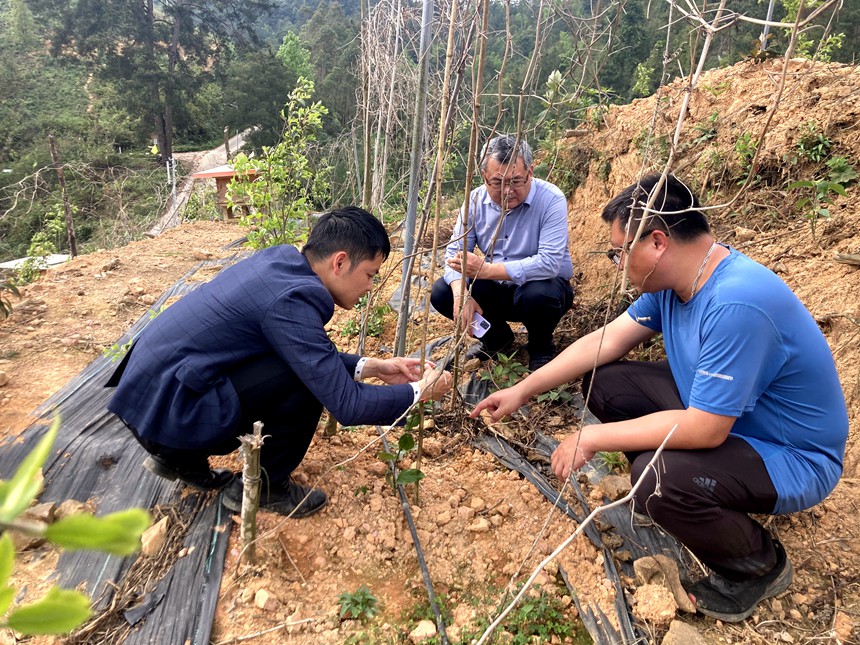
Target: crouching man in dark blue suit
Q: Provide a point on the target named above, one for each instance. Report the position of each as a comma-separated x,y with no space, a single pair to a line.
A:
251,345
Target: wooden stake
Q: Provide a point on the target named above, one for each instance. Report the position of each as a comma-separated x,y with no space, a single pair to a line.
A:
251,445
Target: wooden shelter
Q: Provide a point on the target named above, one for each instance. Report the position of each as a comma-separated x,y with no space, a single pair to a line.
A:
223,175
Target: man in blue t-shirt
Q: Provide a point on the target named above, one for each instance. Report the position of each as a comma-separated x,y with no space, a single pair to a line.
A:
519,224
749,386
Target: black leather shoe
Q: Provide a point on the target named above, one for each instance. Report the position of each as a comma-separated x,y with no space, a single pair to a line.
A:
289,498
197,478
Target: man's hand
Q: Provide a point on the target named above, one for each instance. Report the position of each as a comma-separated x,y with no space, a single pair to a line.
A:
474,264
466,311
571,454
394,371
435,384
500,404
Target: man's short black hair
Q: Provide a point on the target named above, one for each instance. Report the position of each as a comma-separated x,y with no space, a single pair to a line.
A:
351,229
679,215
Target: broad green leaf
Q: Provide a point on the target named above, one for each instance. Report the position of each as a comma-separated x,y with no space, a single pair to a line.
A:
801,184
7,557
20,491
407,442
117,533
386,456
7,594
409,476
58,612
837,188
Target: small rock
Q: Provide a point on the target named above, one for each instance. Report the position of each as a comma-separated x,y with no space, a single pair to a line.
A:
663,571
424,630
71,507
614,486
477,504
681,633
654,605
247,595
744,234
4,379
443,518
111,266
201,254
44,512
349,533
466,513
472,365
266,601
480,525
154,537
24,542
844,626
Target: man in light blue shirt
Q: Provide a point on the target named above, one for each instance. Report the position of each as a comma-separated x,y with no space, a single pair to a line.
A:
523,271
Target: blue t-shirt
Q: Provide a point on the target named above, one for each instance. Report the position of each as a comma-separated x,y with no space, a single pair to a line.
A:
744,346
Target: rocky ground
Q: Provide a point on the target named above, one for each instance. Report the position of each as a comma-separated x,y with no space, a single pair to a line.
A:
481,527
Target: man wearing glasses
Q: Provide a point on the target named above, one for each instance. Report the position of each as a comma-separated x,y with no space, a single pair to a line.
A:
749,386
523,271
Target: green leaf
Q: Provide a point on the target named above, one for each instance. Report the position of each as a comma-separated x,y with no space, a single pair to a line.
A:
406,442
117,533
838,188
7,557
409,476
386,456
7,594
58,612
20,491
801,184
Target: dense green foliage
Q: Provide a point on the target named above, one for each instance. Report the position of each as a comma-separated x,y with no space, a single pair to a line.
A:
111,79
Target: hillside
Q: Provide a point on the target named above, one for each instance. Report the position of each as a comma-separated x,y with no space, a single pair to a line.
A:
479,523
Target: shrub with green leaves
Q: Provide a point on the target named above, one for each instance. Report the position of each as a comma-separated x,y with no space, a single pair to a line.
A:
405,445
361,604
282,186
505,373
59,611
7,287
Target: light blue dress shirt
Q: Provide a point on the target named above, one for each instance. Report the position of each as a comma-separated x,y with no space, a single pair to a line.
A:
532,239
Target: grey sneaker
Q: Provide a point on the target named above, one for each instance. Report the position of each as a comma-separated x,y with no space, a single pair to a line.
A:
732,601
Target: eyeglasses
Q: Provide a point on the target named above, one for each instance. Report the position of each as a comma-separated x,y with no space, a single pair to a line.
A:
614,253
514,182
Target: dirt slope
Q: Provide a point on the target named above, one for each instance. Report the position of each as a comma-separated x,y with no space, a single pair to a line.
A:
479,524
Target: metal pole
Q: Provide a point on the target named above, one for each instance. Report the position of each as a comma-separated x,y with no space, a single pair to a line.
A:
418,125
764,32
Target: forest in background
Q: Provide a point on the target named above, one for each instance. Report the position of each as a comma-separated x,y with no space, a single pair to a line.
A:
122,86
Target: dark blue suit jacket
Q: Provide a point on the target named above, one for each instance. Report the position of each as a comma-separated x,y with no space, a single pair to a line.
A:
174,390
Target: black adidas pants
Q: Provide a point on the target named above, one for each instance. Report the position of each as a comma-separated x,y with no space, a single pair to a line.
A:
702,497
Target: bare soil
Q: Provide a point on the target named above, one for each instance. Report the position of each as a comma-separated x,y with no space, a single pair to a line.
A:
480,525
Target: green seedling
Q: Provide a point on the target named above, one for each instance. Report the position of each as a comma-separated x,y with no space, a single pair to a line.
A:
361,604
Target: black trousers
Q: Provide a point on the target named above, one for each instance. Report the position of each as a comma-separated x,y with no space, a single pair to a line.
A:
702,497
269,391
539,305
